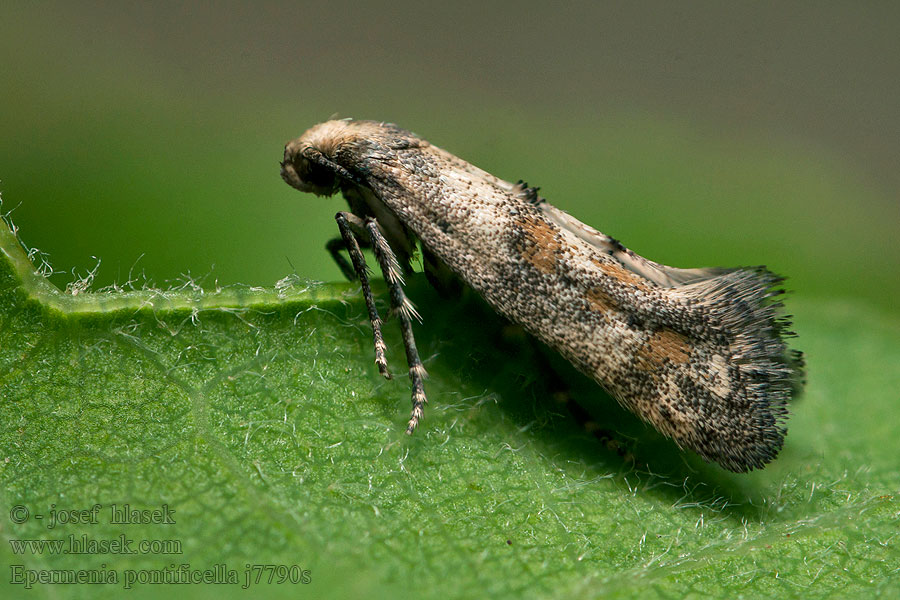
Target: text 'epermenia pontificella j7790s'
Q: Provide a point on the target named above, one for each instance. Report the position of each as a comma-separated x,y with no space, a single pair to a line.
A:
698,353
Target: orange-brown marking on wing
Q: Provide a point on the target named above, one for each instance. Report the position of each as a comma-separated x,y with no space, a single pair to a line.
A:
664,345
541,244
599,300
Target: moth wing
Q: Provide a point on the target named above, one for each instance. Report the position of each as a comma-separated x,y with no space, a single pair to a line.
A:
661,275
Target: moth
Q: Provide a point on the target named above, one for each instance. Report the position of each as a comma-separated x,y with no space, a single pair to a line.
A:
700,354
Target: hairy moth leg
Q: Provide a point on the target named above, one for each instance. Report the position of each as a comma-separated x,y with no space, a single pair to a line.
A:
404,309
345,222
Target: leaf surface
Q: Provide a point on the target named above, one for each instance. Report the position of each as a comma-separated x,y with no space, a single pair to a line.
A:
258,416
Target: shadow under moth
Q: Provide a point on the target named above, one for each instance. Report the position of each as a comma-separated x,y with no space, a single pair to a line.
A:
698,353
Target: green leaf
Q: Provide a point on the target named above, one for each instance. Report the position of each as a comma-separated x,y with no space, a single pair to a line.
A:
258,417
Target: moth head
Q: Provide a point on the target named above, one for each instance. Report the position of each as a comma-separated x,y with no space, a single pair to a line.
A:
310,163
307,170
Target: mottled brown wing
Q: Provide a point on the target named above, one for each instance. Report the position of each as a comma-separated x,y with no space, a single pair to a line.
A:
661,275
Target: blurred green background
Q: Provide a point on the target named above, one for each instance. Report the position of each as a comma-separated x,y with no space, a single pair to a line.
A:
149,135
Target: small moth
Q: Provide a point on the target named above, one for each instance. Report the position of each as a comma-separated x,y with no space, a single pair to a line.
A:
698,353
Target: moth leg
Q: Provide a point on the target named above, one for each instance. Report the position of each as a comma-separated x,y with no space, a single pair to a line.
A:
345,221
335,246
400,304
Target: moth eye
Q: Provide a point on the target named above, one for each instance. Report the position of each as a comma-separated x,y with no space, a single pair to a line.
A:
315,174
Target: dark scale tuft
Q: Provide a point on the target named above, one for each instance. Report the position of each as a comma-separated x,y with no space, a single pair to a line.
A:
744,430
529,194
